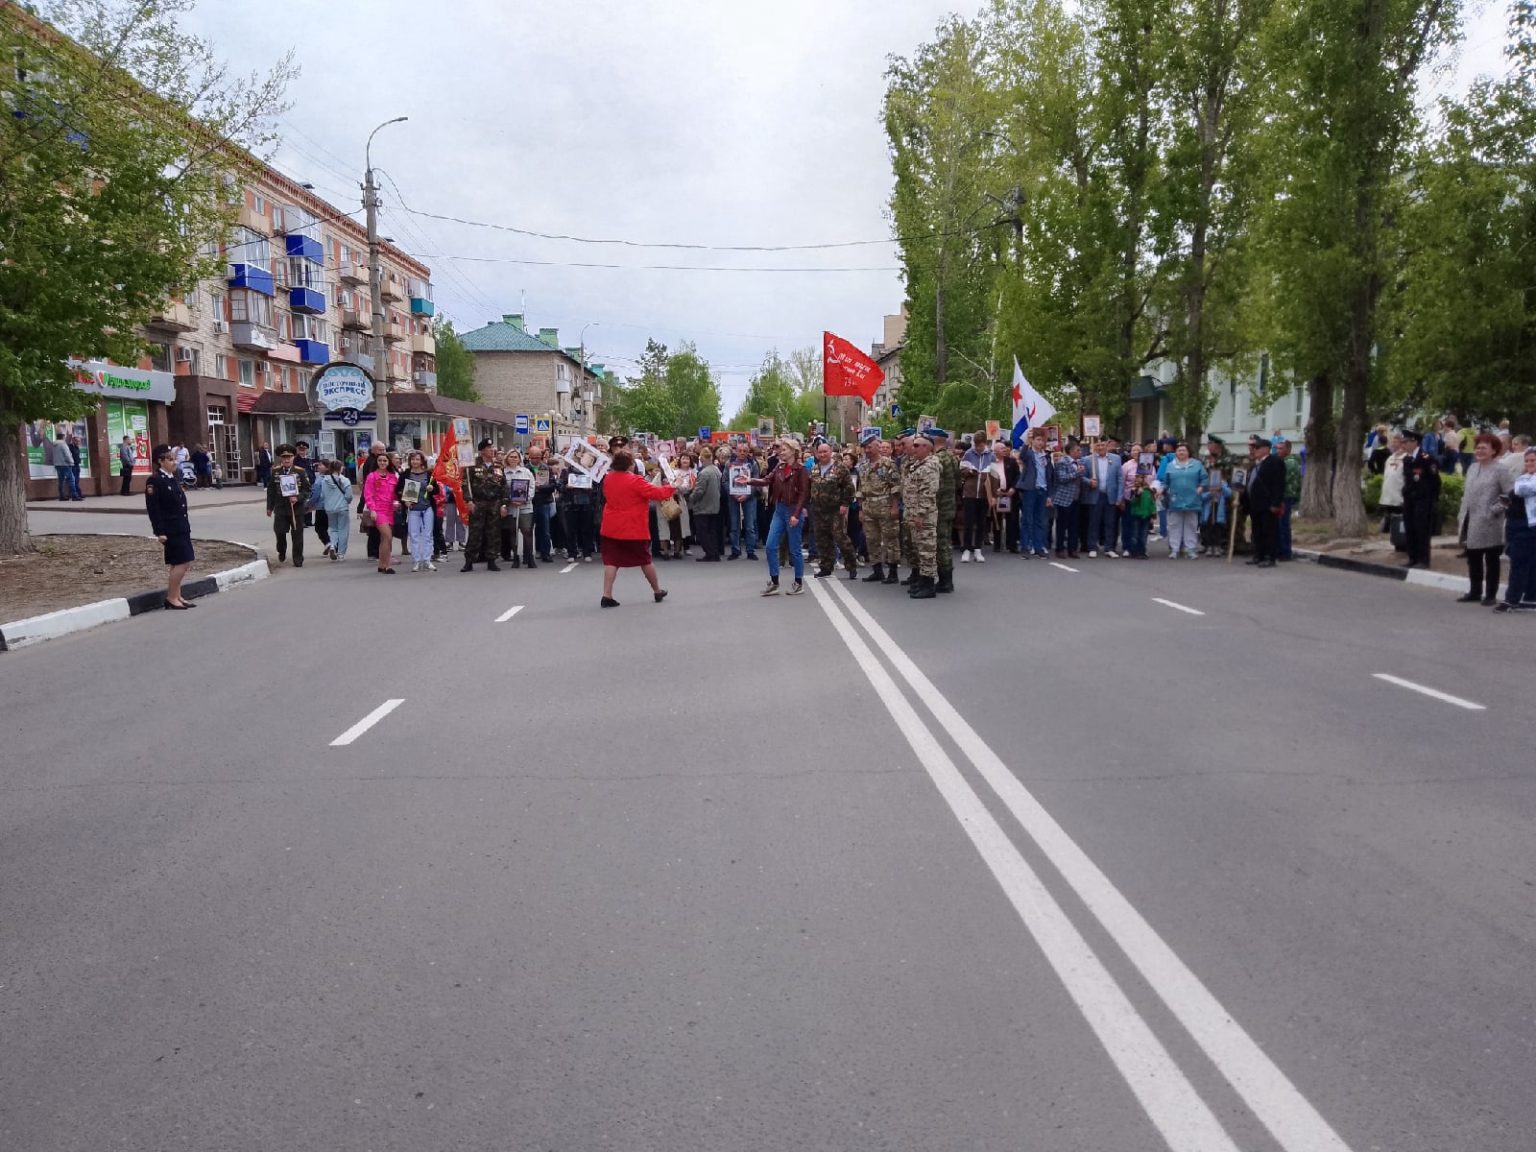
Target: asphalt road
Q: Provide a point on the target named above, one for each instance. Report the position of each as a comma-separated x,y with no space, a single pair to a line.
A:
1046,864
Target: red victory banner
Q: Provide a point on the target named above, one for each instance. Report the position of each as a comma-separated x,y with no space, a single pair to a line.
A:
447,470
846,371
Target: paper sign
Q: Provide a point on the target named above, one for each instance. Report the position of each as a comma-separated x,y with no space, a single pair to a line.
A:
994,428
586,459
1093,427
740,474
412,492
926,423
578,480
288,484
518,490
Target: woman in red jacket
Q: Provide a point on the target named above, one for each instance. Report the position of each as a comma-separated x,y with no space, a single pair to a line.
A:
625,538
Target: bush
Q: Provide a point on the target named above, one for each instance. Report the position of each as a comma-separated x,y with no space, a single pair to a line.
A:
1451,488
1373,494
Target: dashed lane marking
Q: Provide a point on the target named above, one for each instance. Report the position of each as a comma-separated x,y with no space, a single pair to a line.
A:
1180,607
509,613
1063,567
1433,693
366,723
568,567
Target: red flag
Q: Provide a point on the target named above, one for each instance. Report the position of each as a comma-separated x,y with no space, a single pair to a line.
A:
446,471
846,371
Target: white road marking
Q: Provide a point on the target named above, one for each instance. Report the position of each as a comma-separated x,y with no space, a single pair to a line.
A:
1469,705
1180,607
509,613
1063,567
1165,1093
568,567
366,723
1291,1119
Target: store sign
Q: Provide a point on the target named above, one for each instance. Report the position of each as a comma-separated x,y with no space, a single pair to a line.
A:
342,386
101,379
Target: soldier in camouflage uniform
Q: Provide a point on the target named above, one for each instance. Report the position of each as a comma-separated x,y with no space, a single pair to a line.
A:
925,477
485,491
880,489
905,458
949,489
831,493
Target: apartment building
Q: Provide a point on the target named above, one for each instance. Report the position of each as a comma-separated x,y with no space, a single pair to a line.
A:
294,298
530,373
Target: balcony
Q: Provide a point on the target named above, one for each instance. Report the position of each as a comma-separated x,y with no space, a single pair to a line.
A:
425,381
286,353
394,333
391,290
303,246
425,344
175,316
356,321
252,276
421,306
353,273
255,337
306,300
313,351
255,221
359,358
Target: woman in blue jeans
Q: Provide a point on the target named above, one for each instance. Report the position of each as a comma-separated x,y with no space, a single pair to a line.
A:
789,485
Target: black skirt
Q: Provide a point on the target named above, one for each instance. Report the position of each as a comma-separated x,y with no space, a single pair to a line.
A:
178,550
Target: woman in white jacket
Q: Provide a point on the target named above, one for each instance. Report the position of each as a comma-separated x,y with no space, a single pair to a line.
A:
519,519
335,496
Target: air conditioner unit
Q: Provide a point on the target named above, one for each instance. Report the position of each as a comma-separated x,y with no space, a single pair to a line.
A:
221,326
183,355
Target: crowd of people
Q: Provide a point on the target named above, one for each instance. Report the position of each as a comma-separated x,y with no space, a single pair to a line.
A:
911,502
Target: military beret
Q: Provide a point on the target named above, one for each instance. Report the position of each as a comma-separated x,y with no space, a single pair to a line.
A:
909,432
487,443
937,434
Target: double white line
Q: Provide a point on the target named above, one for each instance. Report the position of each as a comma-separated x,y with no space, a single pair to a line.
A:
1165,1093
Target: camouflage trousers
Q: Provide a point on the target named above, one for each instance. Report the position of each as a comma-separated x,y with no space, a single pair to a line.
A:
925,546
830,527
881,533
484,534
945,545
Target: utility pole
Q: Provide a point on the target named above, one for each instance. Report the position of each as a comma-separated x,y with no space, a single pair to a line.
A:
376,287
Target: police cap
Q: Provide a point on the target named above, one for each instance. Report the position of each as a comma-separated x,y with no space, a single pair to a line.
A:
487,443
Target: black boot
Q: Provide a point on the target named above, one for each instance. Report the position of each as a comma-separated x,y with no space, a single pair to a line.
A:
917,584
907,580
946,582
469,565
528,561
890,576
877,576
492,566
923,588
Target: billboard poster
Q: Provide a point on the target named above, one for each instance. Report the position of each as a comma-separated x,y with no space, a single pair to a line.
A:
128,418
39,436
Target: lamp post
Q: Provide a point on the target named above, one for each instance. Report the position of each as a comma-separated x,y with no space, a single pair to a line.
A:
581,377
376,284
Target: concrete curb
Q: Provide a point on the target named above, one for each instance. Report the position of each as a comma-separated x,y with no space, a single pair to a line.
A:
1439,580
88,507
52,625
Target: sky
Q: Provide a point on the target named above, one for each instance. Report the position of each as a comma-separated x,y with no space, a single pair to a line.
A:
705,122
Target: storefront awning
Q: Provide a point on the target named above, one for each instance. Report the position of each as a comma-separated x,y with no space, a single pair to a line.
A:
278,404
98,378
1146,388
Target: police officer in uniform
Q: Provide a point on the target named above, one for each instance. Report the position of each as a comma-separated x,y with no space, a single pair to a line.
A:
166,503
1421,493
485,491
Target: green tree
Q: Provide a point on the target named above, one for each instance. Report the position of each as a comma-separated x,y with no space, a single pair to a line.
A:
114,149
1340,135
787,391
675,394
455,363
691,384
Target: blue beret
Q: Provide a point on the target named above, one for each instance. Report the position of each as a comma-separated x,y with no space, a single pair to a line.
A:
937,432
909,432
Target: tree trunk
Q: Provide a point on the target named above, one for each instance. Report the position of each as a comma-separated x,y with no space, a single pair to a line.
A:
940,348
1322,444
1348,499
14,538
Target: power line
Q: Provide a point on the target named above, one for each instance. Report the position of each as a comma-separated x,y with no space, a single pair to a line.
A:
639,267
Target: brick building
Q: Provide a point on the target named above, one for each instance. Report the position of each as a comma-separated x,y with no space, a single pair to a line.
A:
529,373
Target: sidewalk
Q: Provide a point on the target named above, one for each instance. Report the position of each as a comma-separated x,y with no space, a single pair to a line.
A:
134,505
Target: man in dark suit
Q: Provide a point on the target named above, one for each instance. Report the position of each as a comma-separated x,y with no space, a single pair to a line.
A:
1421,493
1264,498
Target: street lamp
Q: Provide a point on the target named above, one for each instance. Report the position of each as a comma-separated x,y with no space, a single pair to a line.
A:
376,284
581,377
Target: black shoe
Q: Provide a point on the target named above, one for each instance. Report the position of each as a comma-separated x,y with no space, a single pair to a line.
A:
1490,601
298,563
853,574
1265,564
659,596
823,573
890,576
1252,561
608,602
469,566
923,588
547,559
751,555
1470,598
946,582
877,576
528,562
492,566
734,556
907,580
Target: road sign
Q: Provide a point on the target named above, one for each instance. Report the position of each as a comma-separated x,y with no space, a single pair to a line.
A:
520,425
541,426
895,410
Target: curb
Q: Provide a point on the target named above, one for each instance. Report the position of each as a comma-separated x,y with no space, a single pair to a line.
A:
1439,580
53,506
52,625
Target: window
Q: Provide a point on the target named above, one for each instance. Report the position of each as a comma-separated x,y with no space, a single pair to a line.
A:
247,373
195,360
303,273
216,413
259,202
216,304
248,247
283,329
160,357
221,366
311,328
345,299
346,254
263,374
250,306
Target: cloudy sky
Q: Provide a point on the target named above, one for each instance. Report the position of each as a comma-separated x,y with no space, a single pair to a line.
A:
687,121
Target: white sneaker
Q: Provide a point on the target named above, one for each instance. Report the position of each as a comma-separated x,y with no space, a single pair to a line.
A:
416,567
1172,555
1093,555
980,559
1112,554
431,567
965,557
1193,555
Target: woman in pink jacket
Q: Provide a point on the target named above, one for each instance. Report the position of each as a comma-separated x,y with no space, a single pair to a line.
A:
379,498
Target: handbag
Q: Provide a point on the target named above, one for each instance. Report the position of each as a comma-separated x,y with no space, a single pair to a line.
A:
368,519
670,508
